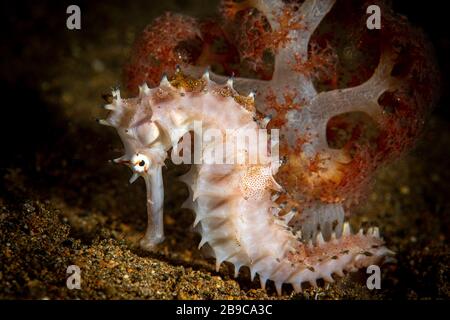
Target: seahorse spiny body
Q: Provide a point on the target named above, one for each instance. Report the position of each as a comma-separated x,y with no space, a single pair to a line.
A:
240,224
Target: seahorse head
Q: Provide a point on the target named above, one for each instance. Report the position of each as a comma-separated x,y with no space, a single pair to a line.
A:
140,136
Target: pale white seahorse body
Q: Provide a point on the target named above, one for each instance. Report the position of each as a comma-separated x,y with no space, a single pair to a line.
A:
234,205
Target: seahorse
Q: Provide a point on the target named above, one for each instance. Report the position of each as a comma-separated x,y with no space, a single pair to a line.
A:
237,208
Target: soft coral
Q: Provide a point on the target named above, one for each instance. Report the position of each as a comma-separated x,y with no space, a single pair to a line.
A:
399,89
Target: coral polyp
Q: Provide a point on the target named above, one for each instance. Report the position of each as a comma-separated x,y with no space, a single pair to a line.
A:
286,220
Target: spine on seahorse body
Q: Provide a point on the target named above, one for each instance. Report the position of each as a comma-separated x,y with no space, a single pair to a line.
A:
235,204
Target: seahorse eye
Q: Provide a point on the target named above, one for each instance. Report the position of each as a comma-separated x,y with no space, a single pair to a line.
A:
140,163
